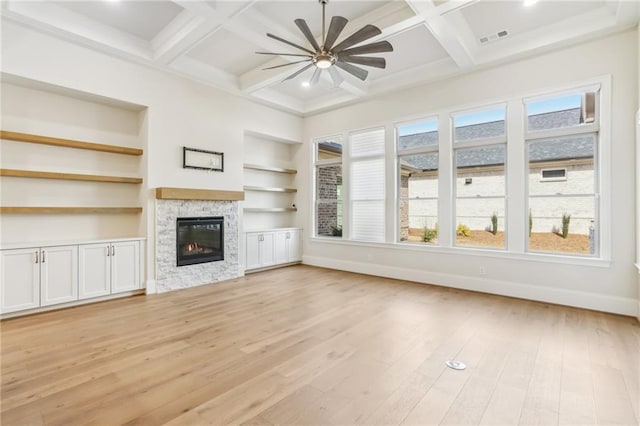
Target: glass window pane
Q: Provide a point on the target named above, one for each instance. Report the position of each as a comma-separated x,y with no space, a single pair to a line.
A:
480,196
418,135
479,125
561,224
572,154
418,207
329,200
559,112
329,150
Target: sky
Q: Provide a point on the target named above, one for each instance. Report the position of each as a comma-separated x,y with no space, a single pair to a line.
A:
495,114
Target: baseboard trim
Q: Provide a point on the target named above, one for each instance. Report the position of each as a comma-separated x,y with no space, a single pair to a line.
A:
596,302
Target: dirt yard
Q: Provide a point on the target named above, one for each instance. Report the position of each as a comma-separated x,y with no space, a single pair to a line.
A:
539,241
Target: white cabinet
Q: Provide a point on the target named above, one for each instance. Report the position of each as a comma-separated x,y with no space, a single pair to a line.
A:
260,250
272,247
58,275
35,277
287,246
20,279
109,268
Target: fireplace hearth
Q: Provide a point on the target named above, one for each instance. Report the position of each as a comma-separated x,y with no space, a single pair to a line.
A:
199,240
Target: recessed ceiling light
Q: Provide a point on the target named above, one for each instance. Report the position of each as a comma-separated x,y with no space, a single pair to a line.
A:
306,84
528,3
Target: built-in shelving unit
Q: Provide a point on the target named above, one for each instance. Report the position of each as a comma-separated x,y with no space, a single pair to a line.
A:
70,210
270,209
269,169
68,176
74,144
269,189
68,143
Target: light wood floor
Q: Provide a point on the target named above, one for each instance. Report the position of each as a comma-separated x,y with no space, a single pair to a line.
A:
304,345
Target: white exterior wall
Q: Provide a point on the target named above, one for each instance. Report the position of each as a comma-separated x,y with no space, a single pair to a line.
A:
607,285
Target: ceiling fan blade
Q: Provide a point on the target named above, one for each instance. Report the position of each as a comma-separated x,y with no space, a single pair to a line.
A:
315,77
336,77
335,28
302,24
353,70
275,37
300,71
286,65
361,35
377,47
283,54
364,60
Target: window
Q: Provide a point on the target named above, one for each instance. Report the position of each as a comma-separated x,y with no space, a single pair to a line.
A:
328,160
562,184
366,180
417,145
480,180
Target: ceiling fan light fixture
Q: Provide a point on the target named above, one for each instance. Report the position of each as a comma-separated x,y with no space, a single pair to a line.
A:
324,60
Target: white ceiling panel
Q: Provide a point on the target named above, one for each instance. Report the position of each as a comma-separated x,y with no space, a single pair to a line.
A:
143,19
488,17
214,41
411,48
229,53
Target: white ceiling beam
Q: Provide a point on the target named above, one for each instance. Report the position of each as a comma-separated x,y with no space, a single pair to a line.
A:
627,13
446,33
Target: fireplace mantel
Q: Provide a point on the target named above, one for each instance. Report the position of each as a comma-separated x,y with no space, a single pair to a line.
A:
198,194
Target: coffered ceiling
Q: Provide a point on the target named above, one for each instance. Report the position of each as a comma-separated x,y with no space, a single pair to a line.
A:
215,41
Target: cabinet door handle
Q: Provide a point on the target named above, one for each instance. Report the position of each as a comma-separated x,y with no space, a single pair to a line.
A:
108,251
288,235
37,256
113,250
43,260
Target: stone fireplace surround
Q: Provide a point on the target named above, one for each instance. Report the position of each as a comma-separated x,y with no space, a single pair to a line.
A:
171,277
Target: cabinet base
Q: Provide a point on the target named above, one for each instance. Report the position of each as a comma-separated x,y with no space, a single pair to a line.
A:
266,268
73,304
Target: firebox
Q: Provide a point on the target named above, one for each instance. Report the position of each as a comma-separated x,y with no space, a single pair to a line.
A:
199,240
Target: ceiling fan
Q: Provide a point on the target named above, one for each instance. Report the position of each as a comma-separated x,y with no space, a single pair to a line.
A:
342,55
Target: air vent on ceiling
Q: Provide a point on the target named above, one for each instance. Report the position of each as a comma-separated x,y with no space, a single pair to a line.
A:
493,37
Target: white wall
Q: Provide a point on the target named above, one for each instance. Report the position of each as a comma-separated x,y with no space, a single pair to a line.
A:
180,112
638,179
608,286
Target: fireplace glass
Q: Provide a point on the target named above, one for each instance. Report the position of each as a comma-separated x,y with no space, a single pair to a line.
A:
199,240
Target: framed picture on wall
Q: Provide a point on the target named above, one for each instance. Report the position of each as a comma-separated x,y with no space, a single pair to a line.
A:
200,159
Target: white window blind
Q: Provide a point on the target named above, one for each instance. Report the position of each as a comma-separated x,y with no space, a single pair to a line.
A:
367,186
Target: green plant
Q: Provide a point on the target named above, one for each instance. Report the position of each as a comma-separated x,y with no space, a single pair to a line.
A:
530,222
463,230
429,234
336,231
494,224
566,218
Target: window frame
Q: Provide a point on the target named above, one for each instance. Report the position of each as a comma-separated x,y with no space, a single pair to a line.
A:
318,163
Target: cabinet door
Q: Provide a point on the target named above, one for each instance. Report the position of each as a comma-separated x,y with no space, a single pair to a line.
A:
125,262
267,252
281,246
58,275
94,270
252,245
295,245
20,279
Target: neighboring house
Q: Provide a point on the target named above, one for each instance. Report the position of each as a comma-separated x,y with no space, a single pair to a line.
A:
561,179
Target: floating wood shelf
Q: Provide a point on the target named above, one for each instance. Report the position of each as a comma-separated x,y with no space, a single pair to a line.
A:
67,176
270,209
269,169
70,210
47,140
268,189
198,194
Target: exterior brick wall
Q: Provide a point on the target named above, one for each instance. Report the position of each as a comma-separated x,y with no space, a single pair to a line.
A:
328,180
